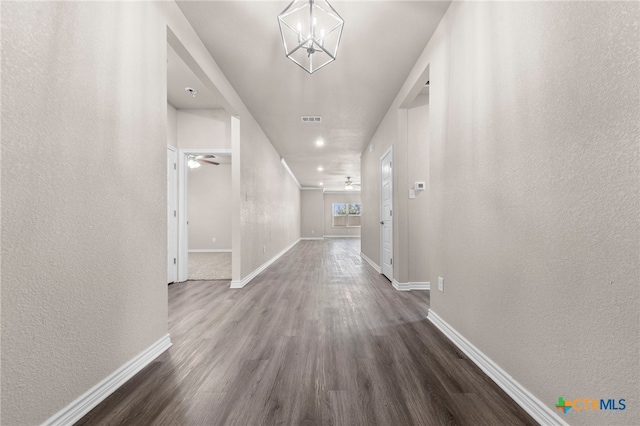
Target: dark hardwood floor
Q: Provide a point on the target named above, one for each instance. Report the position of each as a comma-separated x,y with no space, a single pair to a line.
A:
317,338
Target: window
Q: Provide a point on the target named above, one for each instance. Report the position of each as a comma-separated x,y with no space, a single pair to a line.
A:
346,214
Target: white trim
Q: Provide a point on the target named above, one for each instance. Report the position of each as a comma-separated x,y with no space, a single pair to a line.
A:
343,236
529,403
172,217
94,396
209,250
410,286
420,286
313,238
265,265
350,191
311,188
370,262
286,167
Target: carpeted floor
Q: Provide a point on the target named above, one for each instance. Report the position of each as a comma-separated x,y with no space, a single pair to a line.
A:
209,266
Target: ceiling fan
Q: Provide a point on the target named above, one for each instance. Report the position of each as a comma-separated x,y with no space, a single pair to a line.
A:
195,161
348,185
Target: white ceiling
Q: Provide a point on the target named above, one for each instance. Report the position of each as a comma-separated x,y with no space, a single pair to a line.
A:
380,44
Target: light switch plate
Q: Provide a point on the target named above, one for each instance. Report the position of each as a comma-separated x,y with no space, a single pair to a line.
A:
412,193
441,284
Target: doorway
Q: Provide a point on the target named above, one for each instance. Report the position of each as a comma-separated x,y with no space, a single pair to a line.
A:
386,214
206,215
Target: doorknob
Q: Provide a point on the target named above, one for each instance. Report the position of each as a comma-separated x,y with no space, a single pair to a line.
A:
382,222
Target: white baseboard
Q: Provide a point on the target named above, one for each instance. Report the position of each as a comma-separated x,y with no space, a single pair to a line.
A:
265,265
529,403
342,236
314,238
209,250
94,396
371,262
410,286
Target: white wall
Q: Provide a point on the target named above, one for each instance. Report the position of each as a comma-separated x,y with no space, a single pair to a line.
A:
84,290
204,129
417,118
83,227
343,197
210,207
534,192
311,213
172,126
270,200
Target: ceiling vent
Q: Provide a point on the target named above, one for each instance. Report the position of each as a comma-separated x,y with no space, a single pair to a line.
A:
311,119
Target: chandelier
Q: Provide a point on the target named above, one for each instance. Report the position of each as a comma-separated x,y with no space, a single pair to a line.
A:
311,31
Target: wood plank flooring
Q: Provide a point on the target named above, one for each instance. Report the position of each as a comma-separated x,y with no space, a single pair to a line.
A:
317,338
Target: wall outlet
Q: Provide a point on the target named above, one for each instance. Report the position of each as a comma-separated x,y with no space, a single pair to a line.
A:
441,284
412,193
264,249
213,239
312,231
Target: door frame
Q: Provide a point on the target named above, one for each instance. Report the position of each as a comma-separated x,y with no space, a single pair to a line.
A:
387,152
172,200
183,204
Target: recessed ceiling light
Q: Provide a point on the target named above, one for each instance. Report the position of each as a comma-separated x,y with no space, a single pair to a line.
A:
319,142
320,168
191,91
321,183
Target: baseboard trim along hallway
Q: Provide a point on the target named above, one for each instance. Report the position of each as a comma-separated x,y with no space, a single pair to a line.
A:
410,286
94,396
371,262
532,405
265,265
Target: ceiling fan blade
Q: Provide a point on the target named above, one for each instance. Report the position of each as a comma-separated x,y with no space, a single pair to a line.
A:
198,157
207,161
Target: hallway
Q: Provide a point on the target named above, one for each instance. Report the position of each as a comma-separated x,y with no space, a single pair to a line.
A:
317,338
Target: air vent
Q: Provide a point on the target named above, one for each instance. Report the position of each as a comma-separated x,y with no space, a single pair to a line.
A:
311,119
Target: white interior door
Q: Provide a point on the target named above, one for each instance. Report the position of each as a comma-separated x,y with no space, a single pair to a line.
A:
172,215
386,214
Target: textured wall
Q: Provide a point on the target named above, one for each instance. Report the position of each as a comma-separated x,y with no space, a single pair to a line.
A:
172,126
84,198
311,213
204,129
534,176
329,199
270,206
418,208
209,207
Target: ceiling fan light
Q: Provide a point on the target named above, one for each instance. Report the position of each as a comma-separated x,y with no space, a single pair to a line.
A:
192,163
311,32
348,187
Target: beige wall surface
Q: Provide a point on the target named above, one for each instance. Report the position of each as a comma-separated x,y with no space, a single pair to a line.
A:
417,210
534,192
210,207
270,200
204,129
311,213
84,227
345,197
84,233
172,126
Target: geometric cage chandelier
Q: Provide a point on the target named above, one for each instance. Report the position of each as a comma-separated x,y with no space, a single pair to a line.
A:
311,32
